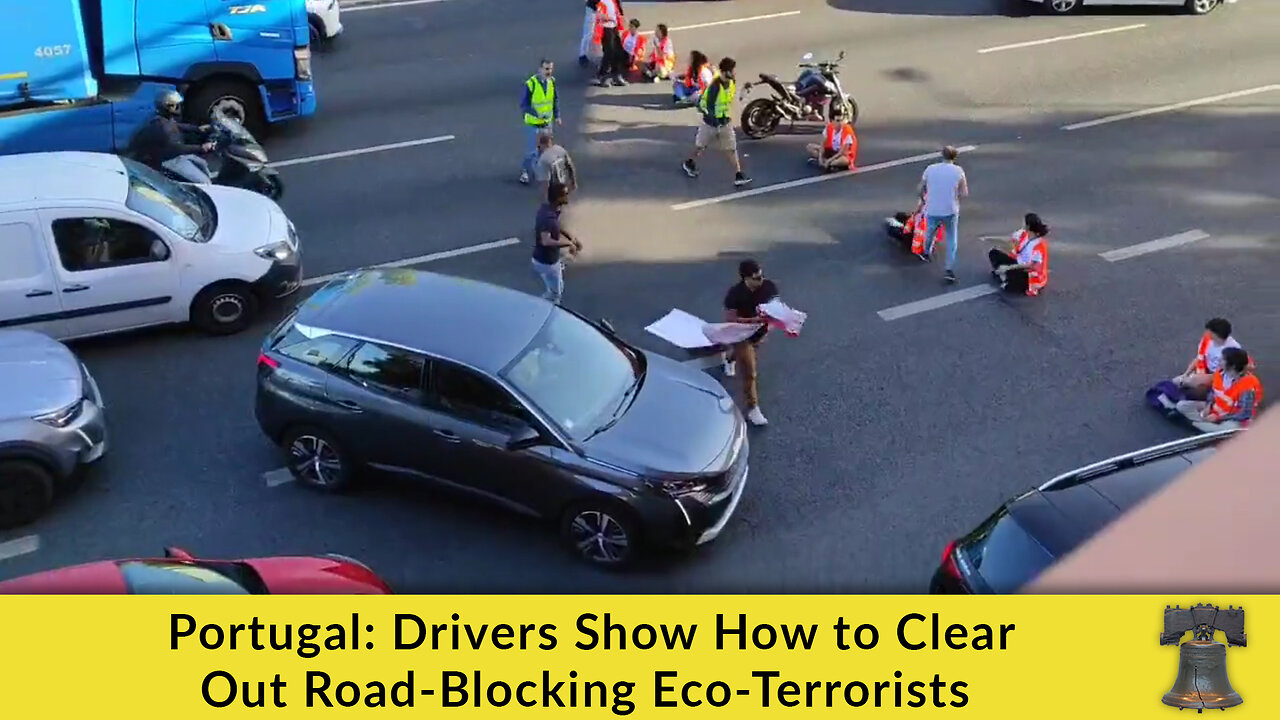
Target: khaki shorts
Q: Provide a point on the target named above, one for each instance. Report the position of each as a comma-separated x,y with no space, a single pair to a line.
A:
722,137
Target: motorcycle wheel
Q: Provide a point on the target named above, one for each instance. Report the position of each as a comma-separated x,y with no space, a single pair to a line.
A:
760,118
851,111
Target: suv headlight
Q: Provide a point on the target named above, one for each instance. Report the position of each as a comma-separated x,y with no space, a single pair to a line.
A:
62,417
277,251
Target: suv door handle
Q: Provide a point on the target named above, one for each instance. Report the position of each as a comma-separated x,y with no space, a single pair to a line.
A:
75,288
350,406
39,293
447,436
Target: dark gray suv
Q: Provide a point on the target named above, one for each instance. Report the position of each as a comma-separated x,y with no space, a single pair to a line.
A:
508,397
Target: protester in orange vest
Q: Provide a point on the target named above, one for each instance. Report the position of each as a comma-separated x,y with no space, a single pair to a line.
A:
839,147
613,58
1198,376
1025,268
1235,395
688,87
908,228
635,45
662,61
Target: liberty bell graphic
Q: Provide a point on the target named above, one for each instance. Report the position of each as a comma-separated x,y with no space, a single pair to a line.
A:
1202,662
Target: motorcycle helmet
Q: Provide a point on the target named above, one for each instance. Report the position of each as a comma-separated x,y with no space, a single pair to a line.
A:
169,103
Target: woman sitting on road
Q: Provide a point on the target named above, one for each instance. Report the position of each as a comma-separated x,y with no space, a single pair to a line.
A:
1025,267
1198,377
688,87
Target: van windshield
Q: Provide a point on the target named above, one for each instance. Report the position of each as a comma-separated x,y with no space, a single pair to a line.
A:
185,210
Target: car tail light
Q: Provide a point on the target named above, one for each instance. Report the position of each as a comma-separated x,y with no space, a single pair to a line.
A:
949,565
266,361
302,63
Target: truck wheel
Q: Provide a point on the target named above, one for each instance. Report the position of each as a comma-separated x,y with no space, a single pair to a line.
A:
233,99
224,308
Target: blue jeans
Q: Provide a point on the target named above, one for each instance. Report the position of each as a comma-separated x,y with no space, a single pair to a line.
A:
531,147
552,277
952,224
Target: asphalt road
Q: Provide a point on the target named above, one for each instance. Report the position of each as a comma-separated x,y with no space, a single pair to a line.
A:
888,437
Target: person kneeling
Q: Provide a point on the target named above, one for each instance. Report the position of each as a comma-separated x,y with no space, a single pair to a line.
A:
1234,396
839,146
1025,267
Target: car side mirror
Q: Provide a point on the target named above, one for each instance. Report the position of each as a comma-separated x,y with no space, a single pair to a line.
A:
526,437
178,554
607,327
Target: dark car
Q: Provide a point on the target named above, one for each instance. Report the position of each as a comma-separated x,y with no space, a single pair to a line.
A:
508,397
1028,533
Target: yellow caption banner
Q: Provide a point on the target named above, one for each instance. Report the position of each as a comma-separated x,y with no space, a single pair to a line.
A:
601,656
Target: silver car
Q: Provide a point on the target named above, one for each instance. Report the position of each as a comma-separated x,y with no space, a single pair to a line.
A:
51,422
1195,7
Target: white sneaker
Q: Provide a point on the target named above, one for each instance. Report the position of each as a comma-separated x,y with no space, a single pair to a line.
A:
755,417
730,368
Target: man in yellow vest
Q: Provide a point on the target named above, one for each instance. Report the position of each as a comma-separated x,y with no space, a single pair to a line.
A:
541,108
716,108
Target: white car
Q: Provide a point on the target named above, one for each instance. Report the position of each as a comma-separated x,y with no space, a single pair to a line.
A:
1195,7
92,244
325,19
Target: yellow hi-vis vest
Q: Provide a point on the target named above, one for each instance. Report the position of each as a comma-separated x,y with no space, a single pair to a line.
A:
542,99
724,101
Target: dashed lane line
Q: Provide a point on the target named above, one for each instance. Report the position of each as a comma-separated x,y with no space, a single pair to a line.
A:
19,547
420,259
1149,247
1171,108
362,151
936,302
732,21
1061,38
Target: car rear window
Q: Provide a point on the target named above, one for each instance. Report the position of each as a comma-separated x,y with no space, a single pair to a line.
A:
1004,555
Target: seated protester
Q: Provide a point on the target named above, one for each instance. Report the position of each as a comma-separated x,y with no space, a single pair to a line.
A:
635,45
662,60
839,145
688,87
1025,268
909,228
1198,376
1235,394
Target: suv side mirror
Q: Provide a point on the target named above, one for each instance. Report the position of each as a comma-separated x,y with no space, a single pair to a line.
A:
526,437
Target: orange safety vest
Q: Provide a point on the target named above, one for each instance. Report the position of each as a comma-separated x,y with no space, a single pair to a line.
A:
637,55
917,225
693,78
664,54
832,141
1037,276
597,37
1226,400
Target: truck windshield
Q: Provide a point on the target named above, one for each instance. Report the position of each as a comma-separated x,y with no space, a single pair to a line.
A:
184,210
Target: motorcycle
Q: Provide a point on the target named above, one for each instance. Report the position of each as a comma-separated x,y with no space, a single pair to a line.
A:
808,99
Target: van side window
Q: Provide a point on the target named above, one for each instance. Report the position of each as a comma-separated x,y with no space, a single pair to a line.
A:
96,243
20,253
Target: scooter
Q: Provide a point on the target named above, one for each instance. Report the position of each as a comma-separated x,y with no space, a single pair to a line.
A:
808,99
237,160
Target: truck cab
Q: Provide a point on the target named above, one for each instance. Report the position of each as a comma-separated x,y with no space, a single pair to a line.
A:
83,74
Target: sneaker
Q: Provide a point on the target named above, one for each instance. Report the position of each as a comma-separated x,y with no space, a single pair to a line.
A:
584,61
741,180
619,82
813,161
949,276
757,418
602,82
729,367
690,169
924,257
524,177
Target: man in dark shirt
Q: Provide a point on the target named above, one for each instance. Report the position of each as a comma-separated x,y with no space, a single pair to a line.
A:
548,240
741,305
161,142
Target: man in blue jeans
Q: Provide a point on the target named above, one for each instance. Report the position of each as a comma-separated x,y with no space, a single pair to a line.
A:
549,238
541,108
943,184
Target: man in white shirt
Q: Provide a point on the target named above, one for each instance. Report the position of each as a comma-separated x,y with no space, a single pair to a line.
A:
943,184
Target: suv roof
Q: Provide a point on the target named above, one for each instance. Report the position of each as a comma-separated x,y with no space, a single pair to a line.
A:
61,176
1071,508
472,322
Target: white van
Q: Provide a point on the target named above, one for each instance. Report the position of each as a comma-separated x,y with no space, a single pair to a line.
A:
92,244
325,19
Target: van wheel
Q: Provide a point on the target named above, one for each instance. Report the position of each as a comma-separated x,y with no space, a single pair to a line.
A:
26,491
234,99
224,308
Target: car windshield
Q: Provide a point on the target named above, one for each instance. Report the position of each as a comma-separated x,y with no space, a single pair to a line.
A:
148,577
574,373
185,210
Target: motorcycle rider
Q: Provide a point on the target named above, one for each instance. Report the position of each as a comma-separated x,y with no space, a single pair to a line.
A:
161,142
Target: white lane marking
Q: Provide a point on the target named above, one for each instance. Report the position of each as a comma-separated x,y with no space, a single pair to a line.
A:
351,6
362,151
813,180
937,301
19,547
277,477
734,21
420,260
1060,38
1146,248
1171,108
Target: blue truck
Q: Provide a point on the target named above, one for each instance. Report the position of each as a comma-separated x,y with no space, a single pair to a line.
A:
83,74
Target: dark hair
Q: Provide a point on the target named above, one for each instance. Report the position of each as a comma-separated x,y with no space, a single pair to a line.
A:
633,22
662,29
728,64
1036,225
697,59
950,153
546,61
747,268
1235,359
1220,327
557,194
